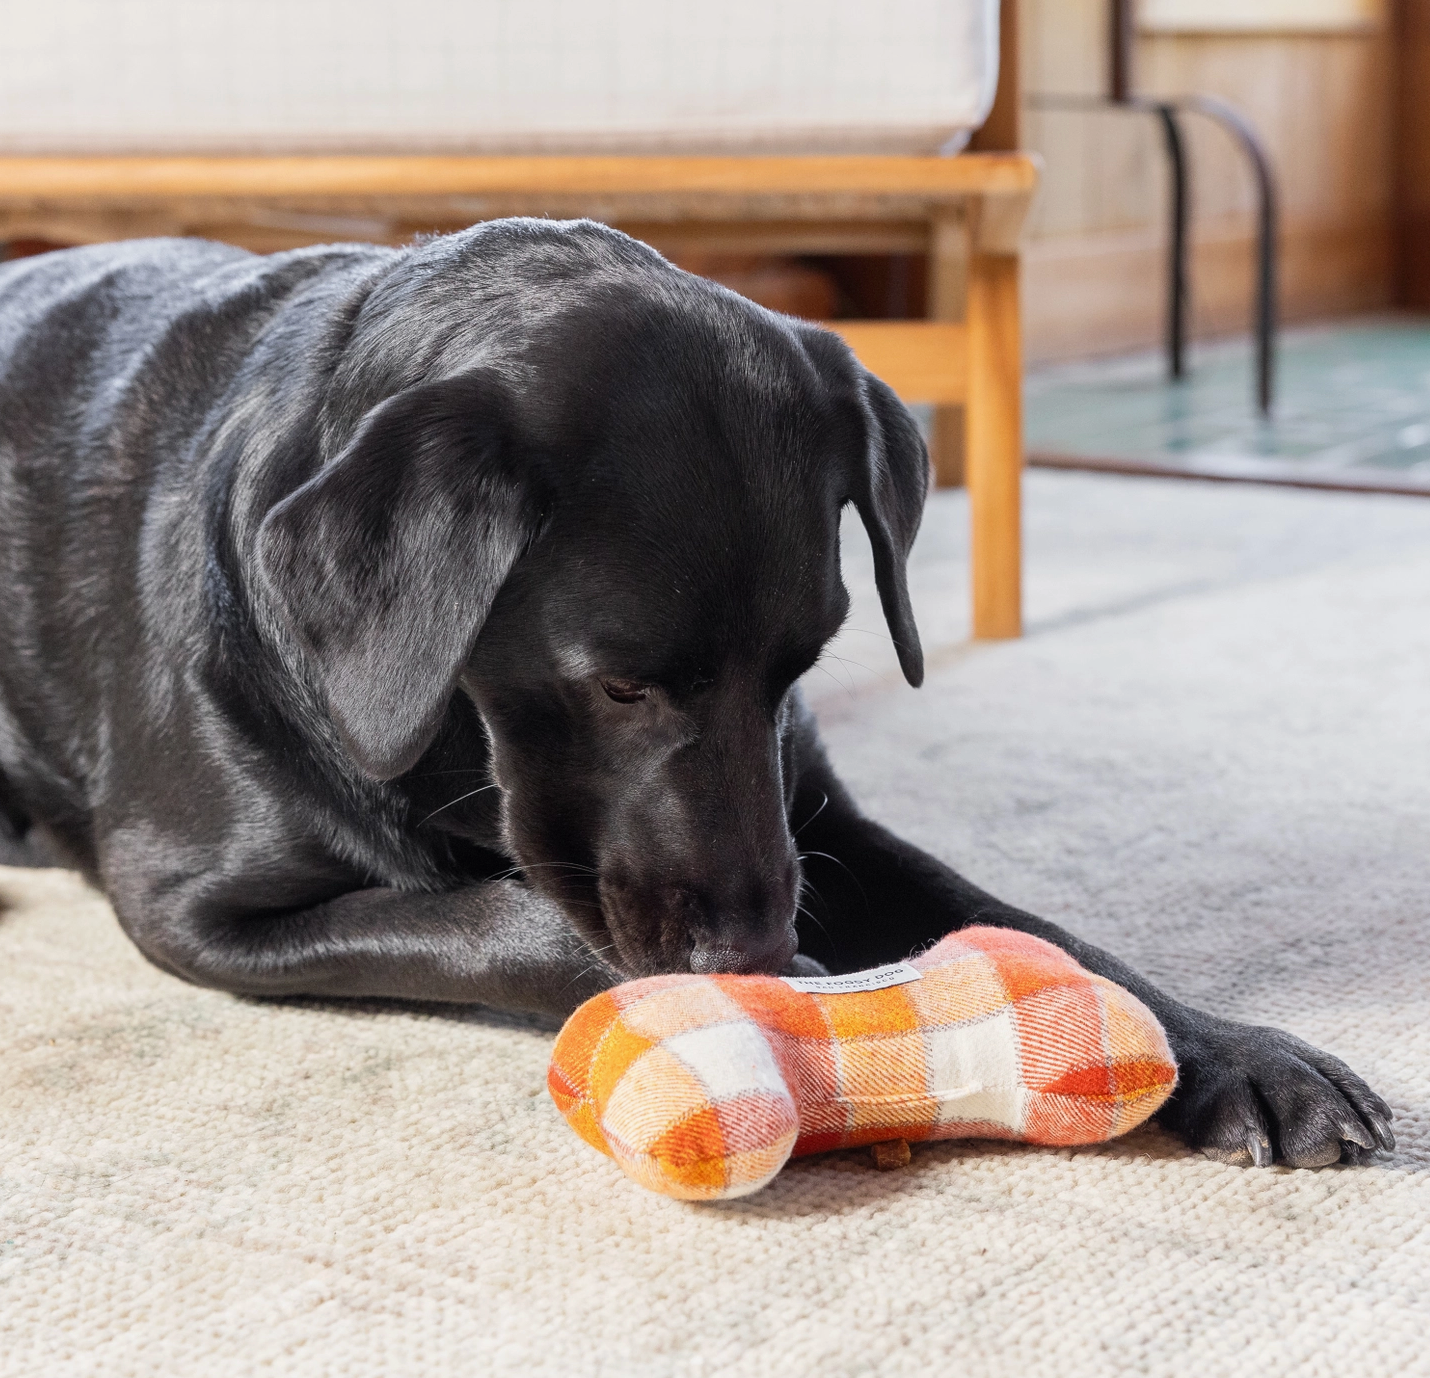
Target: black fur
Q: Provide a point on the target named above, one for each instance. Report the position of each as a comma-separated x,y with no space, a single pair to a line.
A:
425,624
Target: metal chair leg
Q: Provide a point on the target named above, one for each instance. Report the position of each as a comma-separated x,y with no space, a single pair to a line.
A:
1177,242
1232,120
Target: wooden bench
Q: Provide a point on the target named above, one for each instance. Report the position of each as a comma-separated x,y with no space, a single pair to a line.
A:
964,212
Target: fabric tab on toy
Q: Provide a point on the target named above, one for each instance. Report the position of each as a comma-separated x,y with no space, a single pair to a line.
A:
876,978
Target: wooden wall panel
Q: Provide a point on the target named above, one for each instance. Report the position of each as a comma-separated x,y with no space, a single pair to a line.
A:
1325,104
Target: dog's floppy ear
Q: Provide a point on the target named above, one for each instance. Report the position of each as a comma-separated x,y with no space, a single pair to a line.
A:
890,499
386,562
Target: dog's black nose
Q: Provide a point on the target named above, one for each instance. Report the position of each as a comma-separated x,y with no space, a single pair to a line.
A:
742,956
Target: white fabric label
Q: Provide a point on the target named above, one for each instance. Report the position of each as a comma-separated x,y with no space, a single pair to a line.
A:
876,978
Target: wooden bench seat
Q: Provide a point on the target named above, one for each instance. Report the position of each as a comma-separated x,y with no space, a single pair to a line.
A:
964,212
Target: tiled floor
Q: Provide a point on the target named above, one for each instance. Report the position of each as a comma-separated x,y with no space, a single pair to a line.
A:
1352,410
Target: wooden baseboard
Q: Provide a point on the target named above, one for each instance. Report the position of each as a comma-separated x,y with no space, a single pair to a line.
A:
1105,293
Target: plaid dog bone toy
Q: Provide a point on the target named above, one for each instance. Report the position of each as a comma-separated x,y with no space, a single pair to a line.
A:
702,1087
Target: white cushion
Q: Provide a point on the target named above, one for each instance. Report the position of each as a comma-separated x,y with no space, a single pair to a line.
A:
495,75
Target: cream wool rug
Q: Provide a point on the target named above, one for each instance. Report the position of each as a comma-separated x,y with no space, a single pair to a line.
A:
1211,753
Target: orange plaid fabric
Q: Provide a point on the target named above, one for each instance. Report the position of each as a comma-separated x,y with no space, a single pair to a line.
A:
702,1087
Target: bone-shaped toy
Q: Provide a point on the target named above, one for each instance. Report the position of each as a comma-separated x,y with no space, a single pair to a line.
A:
702,1087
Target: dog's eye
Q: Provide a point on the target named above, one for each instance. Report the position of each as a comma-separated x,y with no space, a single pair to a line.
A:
625,690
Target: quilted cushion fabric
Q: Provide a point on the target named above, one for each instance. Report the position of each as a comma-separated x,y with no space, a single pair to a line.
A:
496,76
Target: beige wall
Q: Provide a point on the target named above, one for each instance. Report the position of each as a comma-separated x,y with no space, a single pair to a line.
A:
1095,259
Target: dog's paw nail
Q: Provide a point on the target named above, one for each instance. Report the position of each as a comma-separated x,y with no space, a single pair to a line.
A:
1255,1152
1384,1137
1352,1131
1319,1155
893,1154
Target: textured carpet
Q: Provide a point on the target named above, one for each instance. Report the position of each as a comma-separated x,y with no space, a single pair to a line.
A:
1212,753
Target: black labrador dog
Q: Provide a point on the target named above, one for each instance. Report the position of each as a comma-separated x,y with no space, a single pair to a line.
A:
426,624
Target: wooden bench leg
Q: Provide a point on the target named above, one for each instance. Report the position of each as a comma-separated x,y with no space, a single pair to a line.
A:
994,446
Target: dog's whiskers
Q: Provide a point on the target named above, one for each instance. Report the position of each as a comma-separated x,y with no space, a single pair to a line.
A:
863,893
824,803
814,918
574,867
469,794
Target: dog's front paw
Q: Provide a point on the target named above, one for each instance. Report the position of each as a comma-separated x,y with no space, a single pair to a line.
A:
1256,1095
800,965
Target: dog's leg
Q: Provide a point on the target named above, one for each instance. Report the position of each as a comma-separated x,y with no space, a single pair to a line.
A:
1246,1094
494,944
22,843
14,825
25,843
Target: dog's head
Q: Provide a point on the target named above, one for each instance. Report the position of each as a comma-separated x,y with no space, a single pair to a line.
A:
625,551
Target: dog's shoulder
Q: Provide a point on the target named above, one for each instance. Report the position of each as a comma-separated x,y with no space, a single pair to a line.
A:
156,311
